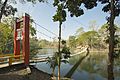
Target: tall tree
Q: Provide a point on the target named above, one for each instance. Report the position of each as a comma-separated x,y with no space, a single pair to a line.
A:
111,6
60,16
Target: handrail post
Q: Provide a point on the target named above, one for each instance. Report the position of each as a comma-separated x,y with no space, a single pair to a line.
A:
10,61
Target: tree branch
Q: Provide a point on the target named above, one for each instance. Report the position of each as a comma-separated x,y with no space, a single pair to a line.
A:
3,9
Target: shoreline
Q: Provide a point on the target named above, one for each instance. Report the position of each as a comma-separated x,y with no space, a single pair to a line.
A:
19,72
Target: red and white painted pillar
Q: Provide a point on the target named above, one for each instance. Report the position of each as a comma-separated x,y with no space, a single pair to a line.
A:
26,46
24,37
16,42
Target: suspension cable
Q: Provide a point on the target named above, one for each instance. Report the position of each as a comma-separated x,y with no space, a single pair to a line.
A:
44,34
44,28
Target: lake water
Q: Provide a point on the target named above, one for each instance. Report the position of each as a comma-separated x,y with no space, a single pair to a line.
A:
93,67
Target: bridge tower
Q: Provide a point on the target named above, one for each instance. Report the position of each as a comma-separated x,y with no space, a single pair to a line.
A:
22,33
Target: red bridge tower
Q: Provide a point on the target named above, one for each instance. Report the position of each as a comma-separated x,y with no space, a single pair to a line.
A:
22,33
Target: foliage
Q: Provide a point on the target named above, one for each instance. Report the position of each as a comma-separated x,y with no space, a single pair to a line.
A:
89,38
56,58
60,16
6,38
104,34
75,9
79,31
60,13
9,20
95,39
117,45
32,29
44,43
34,47
65,50
73,6
111,6
72,42
103,31
63,42
6,9
34,1
107,6
53,62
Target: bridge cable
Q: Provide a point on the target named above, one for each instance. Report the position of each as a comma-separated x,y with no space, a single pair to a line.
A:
43,34
44,28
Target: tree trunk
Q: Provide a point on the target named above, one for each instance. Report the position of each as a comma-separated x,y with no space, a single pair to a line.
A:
59,53
111,44
2,9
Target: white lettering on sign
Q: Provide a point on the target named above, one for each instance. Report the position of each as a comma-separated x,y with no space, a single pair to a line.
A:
19,34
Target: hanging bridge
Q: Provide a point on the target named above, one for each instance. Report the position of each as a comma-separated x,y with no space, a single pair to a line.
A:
19,59
22,33
79,52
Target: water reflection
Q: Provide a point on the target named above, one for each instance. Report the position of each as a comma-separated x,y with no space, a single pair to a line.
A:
93,67
43,53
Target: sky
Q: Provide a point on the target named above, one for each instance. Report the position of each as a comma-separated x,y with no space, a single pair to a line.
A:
42,14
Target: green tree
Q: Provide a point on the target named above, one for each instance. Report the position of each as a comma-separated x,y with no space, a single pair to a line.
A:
34,46
72,42
112,6
60,16
6,38
89,38
103,32
44,43
79,31
65,50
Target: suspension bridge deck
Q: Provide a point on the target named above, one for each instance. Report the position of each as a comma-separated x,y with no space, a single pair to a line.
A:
7,61
13,60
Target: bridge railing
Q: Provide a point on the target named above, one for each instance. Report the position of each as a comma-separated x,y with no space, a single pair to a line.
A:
10,59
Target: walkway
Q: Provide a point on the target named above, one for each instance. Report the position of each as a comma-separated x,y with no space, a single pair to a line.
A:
84,50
